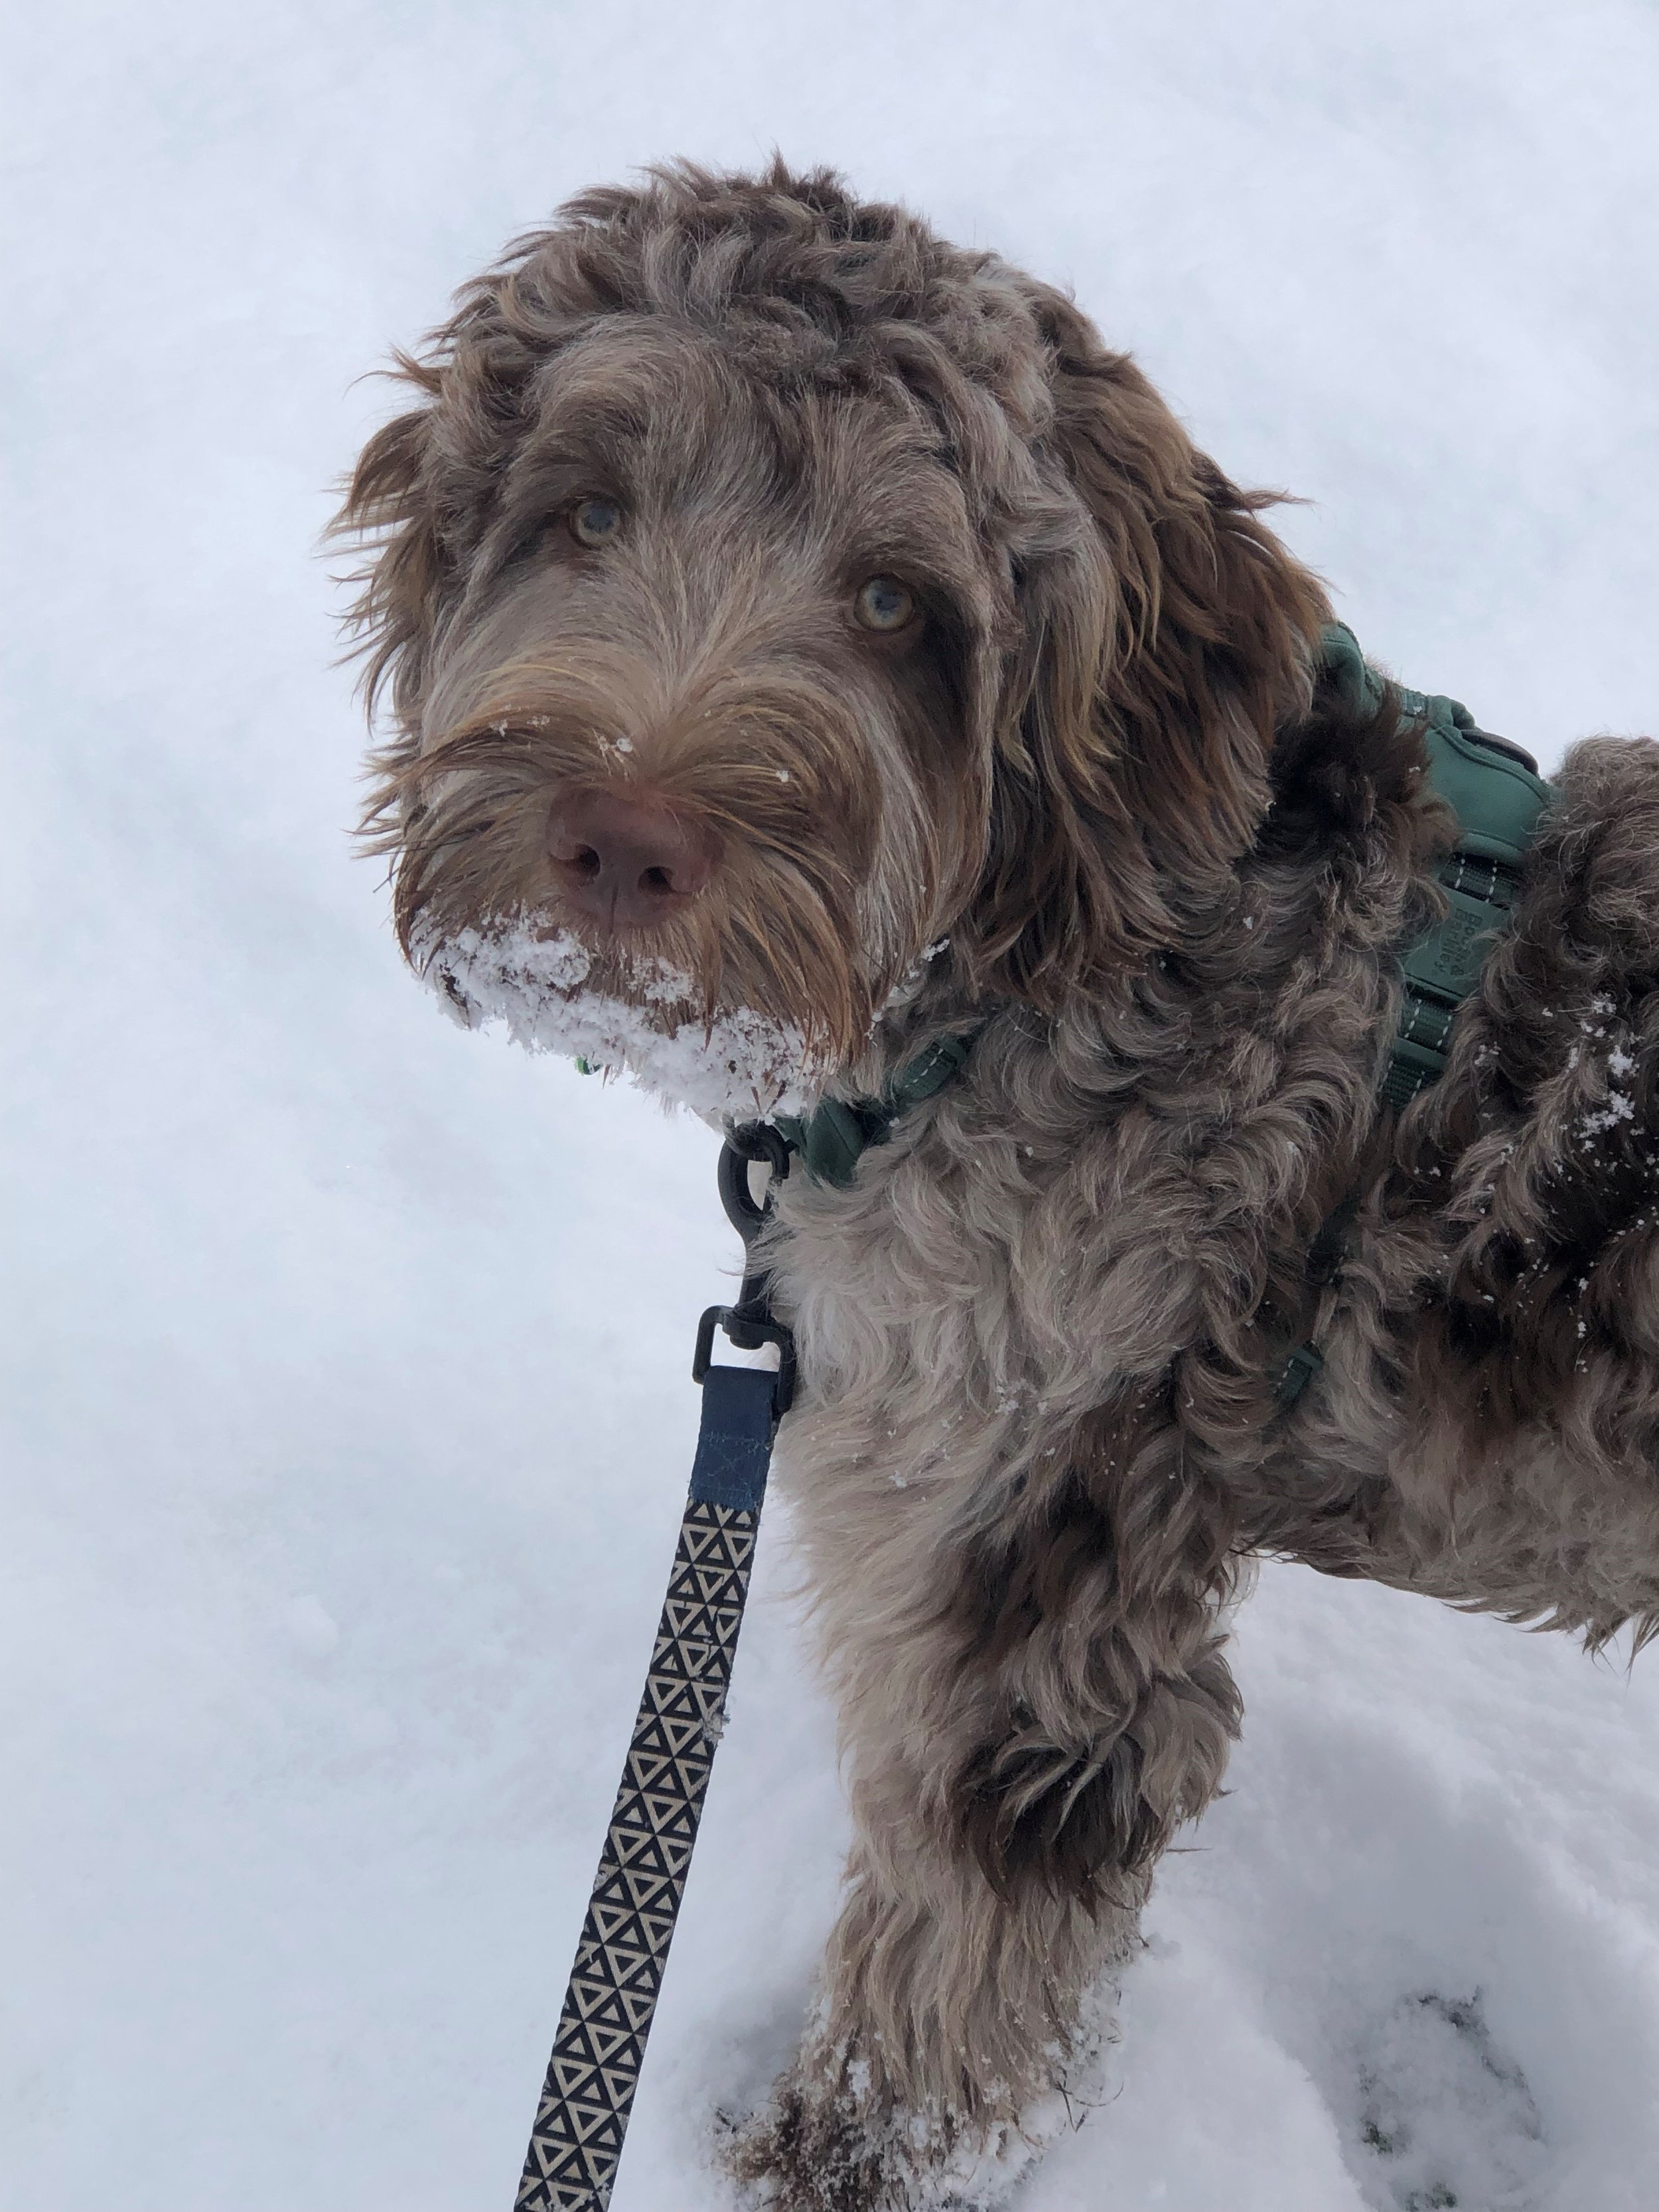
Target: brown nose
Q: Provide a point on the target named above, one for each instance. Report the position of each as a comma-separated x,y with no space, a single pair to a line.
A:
627,863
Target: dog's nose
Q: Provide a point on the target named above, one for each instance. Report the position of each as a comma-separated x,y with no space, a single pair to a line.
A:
627,863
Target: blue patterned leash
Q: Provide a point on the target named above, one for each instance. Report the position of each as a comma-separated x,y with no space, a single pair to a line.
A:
600,2046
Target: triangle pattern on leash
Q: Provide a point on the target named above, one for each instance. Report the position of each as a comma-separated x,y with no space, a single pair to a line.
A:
600,2046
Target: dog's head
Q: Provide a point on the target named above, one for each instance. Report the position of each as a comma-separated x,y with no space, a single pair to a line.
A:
767,590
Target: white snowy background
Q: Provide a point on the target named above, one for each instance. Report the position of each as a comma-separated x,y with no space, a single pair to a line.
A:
347,1353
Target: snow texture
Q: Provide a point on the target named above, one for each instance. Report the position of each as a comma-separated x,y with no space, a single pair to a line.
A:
739,1065
347,1411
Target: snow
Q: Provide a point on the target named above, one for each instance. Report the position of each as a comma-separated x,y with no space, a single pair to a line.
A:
347,1401
739,1065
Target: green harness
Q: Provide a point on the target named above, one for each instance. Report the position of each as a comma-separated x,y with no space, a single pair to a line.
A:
1497,797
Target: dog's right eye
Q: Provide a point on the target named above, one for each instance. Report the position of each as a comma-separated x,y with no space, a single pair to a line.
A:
883,604
595,521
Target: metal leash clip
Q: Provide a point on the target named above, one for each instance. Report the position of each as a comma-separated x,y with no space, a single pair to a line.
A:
749,1321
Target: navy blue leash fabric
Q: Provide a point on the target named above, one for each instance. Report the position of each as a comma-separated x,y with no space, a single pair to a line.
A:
599,2045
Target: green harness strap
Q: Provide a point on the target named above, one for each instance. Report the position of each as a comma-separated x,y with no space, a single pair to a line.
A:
831,1140
1497,797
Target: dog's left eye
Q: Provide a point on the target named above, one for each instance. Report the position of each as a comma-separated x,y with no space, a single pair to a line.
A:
595,521
882,603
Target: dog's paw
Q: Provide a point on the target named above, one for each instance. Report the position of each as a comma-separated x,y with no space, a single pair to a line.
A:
1445,2117
839,2146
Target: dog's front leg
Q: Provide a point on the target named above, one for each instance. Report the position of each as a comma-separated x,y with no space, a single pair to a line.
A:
1022,1747
948,2028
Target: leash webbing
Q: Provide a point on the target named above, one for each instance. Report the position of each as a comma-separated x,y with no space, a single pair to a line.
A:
599,2045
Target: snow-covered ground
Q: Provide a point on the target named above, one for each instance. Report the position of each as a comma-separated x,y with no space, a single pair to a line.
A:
347,1353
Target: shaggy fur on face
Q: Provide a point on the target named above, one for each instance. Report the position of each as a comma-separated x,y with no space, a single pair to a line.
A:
671,468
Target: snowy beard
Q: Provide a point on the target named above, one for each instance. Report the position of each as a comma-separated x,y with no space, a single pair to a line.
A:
734,1064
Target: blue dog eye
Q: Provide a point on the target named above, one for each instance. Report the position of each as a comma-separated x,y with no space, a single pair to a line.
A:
594,521
882,603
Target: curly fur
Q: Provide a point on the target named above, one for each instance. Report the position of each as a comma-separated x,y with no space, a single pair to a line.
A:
1039,1439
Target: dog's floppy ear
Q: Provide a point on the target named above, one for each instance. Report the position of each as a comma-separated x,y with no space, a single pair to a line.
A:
428,482
1166,634
391,508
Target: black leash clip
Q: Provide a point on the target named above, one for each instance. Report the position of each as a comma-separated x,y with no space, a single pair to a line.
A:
749,1321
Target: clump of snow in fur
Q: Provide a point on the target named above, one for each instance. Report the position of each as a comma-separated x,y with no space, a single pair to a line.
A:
738,1065
1620,1106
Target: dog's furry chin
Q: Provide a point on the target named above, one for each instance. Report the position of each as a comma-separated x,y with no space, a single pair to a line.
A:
724,1063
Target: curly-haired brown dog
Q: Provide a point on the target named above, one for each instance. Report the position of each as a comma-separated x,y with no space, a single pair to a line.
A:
801,630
